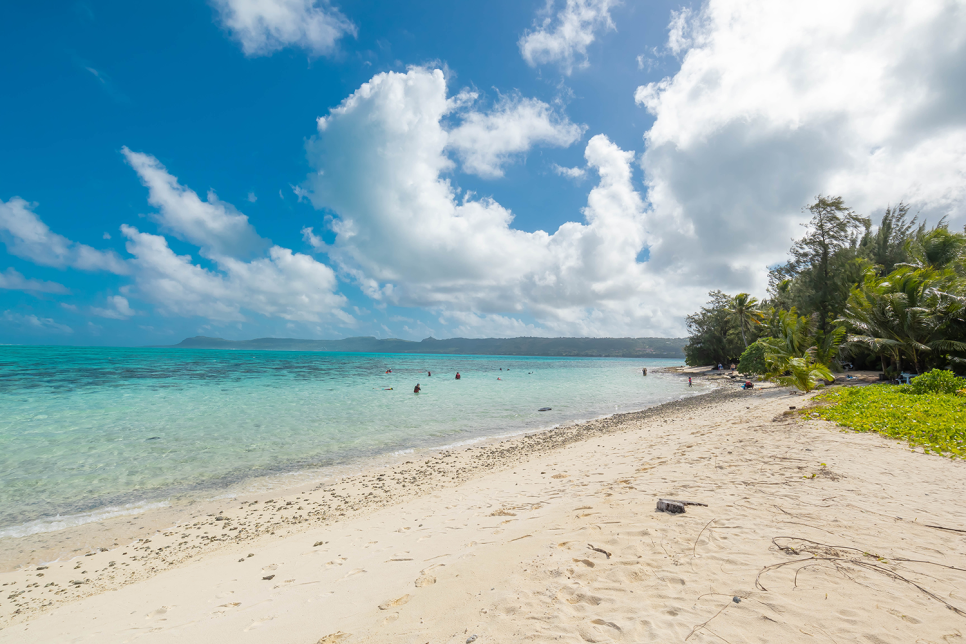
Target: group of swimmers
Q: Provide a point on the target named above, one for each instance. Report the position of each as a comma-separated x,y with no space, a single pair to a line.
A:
417,388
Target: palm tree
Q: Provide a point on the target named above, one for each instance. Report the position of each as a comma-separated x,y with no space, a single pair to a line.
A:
801,354
744,310
867,313
906,314
937,248
804,373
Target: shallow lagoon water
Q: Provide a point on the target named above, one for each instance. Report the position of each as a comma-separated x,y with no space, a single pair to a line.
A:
84,429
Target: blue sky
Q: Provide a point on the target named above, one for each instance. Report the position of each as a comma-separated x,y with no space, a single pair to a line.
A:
164,173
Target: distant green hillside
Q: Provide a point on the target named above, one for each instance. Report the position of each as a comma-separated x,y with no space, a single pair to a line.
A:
577,347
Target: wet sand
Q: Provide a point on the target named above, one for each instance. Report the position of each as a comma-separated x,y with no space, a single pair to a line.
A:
554,536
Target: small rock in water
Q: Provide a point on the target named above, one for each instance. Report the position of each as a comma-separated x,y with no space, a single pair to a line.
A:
155,438
545,409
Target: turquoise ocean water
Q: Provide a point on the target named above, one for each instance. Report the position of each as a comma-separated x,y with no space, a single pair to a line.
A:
85,429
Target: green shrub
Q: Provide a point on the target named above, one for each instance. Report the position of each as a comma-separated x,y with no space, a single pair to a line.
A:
935,422
753,359
937,381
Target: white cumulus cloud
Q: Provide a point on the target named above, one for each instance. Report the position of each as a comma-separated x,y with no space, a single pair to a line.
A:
217,227
263,27
15,281
287,285
118,308
283,284
31,322
564,35
777,102
571,173
485,142
26,236
405,237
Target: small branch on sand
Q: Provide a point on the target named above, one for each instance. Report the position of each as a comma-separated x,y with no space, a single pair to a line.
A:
600,550
835,556
694,549
705,624
939,527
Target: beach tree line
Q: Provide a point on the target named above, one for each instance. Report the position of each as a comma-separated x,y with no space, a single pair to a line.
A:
889,297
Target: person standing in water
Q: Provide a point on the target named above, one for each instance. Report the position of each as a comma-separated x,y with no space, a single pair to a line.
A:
644,371
416,388
429,373
457,375
689,381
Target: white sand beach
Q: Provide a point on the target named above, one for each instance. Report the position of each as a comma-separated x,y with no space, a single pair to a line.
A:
809,534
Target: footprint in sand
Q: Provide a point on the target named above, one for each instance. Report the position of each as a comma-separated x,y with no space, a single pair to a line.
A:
395,602
425,580
353,573
155,614
257,623
333,638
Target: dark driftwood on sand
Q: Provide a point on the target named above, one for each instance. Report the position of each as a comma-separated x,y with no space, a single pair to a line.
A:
675,507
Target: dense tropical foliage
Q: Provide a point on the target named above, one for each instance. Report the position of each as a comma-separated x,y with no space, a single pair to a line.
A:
890,297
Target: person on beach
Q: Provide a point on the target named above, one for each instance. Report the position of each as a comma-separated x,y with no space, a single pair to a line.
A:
457,375
416,388
689,381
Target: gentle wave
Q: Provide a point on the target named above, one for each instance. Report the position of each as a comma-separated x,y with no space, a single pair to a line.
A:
59,523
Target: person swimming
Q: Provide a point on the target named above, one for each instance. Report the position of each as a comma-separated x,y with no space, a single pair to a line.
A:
416,388
457,375
388,370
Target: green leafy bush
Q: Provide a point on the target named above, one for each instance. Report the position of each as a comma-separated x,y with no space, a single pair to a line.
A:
935,422
753,359
937,381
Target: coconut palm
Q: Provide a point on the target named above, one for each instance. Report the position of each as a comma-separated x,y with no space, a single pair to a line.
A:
744,310
906,315
804,373
937,248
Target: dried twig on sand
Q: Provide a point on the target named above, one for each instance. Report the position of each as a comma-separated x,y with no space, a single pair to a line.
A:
837,554
600,550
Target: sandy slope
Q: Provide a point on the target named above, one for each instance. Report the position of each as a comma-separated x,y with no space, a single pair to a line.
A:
509,547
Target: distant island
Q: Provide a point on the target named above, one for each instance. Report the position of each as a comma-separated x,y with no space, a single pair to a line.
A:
550,347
